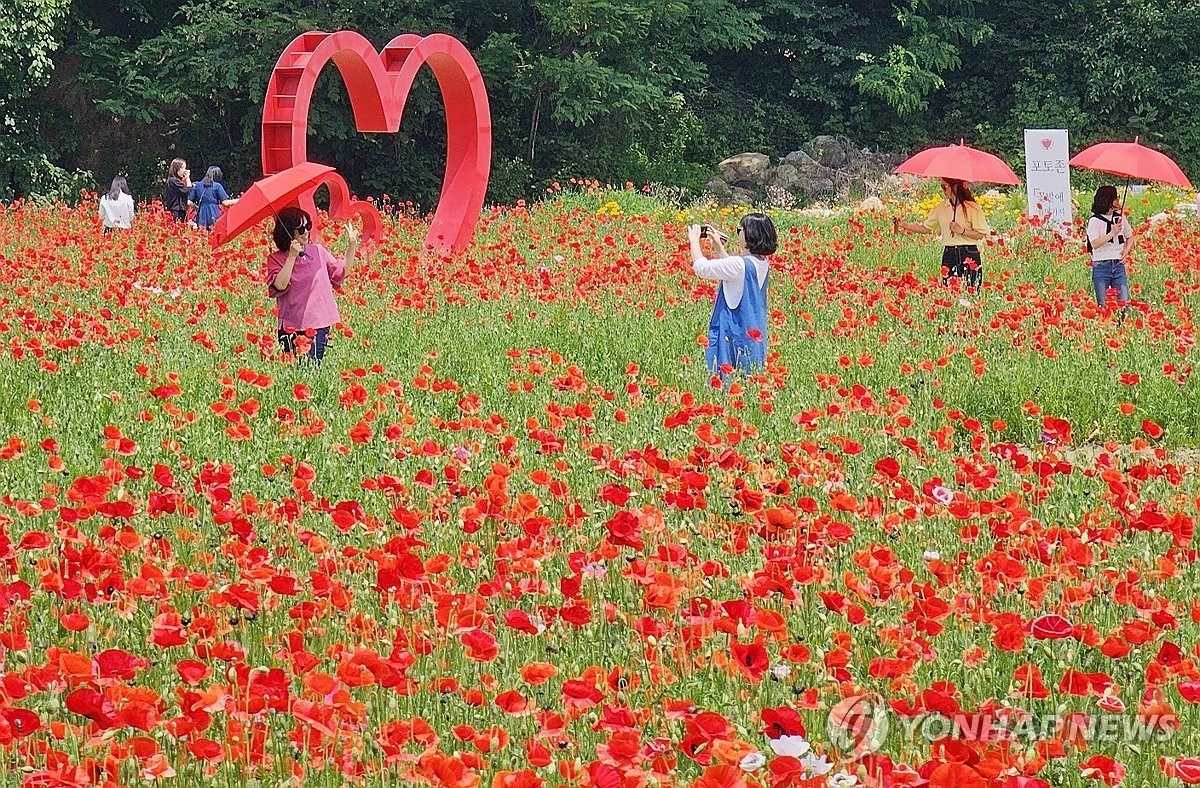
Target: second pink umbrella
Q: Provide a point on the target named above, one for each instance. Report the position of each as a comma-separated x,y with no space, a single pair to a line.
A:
1133,160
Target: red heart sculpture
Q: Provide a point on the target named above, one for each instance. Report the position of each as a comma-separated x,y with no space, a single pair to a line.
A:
378,84
1047,142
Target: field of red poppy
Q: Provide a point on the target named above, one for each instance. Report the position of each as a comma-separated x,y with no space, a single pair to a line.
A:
510,535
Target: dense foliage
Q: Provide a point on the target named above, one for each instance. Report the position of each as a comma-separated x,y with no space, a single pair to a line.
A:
635,90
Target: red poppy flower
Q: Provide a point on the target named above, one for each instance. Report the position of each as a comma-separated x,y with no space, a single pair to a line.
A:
783,721
1186,770
1101,767
1051,626
1024,782
723,776
625,530
21,722
956,775
522,779
1029,682
751,659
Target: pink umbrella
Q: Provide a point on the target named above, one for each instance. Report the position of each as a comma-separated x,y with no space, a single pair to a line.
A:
1133,160
961,162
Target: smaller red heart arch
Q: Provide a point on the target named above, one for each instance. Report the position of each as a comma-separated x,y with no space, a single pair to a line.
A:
378,84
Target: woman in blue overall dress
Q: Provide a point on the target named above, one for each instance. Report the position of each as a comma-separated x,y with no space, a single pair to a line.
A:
737,333
209,195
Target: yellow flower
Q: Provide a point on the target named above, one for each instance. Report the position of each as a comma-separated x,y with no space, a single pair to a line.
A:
988,203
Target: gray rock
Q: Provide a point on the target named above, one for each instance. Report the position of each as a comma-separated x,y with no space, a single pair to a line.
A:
786,176
829,167
833,152
799,159
816,185
741,196
718,188
746,170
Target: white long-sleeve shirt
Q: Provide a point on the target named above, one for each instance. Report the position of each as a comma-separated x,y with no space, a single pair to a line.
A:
118,212
731,272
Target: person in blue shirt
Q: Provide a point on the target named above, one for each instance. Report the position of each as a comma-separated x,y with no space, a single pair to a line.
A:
209,195
737,332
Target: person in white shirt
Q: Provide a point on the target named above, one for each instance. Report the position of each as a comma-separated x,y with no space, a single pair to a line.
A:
116,207
1110,239
737,332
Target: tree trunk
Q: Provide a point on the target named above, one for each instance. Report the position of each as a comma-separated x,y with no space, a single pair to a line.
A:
533,128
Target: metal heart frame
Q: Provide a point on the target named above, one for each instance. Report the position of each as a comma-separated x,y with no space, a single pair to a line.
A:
378,84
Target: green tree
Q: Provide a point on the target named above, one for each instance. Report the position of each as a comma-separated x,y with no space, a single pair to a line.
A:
867,69
1105,72
199,82
30,32
601,88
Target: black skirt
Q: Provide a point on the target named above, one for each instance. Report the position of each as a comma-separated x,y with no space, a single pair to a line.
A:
963,262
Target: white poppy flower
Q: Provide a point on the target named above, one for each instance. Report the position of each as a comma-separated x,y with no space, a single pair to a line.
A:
752,761
842,780
794,746
816,765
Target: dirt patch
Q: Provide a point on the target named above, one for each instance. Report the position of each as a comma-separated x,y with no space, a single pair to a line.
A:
1085,454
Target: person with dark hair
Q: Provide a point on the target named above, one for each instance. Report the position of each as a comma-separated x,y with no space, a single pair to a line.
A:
737,332
962,225
209,196
1110,240
116,206
301,276
179,183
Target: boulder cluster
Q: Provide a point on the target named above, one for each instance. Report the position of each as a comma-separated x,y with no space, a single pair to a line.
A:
829,168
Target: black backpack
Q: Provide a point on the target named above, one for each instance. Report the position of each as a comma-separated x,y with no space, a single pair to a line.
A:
1108,223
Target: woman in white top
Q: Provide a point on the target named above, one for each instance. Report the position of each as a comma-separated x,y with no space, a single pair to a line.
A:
737,332
1110,239
116,207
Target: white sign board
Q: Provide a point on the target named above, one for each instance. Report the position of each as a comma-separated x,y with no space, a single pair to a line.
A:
1048,178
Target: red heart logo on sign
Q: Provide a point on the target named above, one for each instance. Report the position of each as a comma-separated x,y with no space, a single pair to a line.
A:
378,84
1047,143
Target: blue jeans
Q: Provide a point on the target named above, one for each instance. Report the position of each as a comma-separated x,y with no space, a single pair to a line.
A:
316,350
1106,274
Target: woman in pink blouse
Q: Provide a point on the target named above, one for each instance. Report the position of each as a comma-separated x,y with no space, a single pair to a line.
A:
301,277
